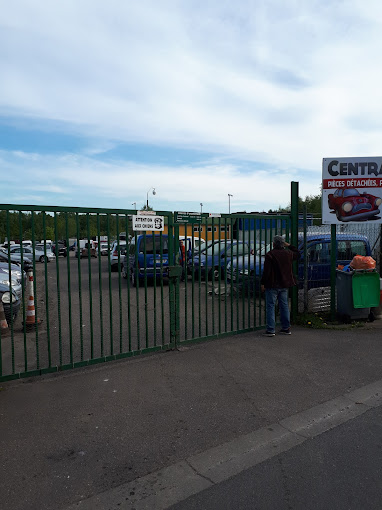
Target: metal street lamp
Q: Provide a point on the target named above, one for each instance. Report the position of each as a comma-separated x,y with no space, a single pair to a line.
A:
134,204
147,200
201,208
229,203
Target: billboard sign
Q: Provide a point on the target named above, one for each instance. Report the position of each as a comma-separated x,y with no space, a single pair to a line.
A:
351,190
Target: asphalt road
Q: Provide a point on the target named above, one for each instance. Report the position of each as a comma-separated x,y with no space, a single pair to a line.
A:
338,470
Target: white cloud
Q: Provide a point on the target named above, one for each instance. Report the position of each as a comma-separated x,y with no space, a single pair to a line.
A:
273,82
120,183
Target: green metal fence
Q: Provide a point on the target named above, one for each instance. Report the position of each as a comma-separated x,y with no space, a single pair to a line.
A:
140,296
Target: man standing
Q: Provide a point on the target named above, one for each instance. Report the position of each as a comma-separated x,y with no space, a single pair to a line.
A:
182,258
276,279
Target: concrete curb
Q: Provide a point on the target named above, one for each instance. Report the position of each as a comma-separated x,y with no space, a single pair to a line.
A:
175,483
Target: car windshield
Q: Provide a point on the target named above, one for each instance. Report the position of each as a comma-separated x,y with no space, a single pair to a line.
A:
150,245
262,249
351,193
220,245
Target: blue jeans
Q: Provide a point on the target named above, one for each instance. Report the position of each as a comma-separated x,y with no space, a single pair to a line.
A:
270,301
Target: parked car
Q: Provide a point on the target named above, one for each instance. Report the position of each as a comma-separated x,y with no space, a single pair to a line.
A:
86,249
62,249
16,259
351,205
8,295
213,260
17,280
246,272
38,252
104,248
146,259
117,246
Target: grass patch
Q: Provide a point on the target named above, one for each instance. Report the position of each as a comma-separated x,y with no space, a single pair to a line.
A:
323,321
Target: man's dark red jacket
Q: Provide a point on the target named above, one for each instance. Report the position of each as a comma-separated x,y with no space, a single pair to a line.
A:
278,272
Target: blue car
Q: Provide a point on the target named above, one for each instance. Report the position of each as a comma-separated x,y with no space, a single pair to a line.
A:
146,259
246,273
212,262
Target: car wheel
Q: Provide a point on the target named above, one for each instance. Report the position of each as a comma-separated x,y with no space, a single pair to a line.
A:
42,259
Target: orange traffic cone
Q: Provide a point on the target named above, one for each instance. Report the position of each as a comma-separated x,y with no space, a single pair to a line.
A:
3,321
31,319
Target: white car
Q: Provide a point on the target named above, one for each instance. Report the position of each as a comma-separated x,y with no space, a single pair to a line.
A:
104,248
114,254
38,252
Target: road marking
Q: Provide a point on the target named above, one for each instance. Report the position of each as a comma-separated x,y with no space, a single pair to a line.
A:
188,477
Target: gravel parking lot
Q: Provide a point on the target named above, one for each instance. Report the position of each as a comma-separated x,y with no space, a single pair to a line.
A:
89,313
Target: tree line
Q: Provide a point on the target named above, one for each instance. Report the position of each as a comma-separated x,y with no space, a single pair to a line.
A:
17,226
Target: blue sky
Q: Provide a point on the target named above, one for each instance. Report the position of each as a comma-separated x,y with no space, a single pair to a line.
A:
101,101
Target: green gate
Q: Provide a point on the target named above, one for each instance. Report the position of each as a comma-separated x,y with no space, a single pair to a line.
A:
111,292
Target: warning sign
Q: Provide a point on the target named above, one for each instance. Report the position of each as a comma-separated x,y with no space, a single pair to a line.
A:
141,222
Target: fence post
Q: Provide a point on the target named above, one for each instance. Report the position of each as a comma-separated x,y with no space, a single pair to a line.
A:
333,258
174,277
294,242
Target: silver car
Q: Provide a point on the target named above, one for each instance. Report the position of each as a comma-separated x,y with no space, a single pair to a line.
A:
38,252
114,254
18,277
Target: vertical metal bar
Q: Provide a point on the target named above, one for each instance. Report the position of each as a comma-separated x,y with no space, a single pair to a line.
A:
79,287
58,288
305,264
260,272
90,287
100,281
119,286
250,231
225,275
110,289
200,277
23,283
172,284
155,237
69,291
161,282
221,268
233,278
11,293
191,262
206,280
145,284
294,235
213,274
243,266
238,294
35,292
46,289
184,274
136,272
255,277
333,258
127,269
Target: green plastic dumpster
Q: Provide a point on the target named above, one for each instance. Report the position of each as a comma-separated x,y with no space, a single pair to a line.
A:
357,292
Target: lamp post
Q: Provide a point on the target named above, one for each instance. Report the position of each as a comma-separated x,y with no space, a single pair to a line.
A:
201,208
147,199
134,204
229,203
